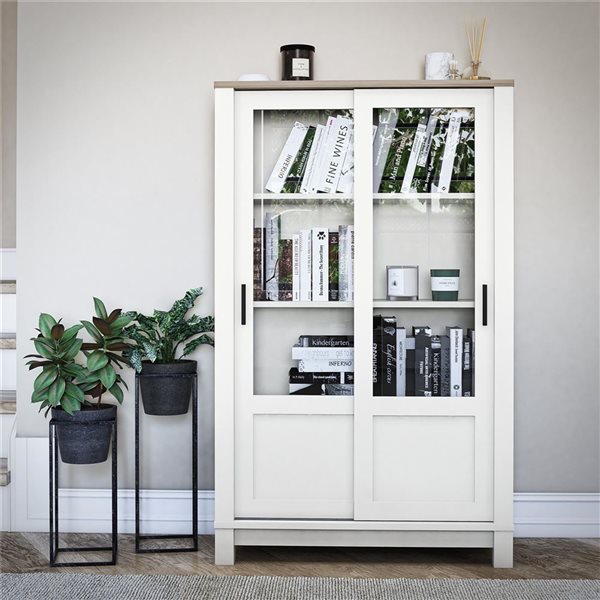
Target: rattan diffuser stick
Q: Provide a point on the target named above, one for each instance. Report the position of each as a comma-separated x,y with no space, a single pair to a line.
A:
475,35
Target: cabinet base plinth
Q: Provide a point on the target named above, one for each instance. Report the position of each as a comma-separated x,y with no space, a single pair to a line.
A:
503,549
224,547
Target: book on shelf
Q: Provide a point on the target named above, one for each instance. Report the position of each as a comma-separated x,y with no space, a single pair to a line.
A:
326,341
296,268
338,136
306,186
293,182
410,366
322,353
436,365
284,163
272,236
423,364
384,353
445,365
324,365
346,182
320,264
400,361
447,166
305,243
346,263
388,117
471,336
415,153
334,265
259,263
285,272
455,335
467,373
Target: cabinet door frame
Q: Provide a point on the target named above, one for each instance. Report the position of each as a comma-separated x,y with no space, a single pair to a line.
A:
249,405
366,408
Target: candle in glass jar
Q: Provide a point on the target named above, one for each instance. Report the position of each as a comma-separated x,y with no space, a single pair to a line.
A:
297,62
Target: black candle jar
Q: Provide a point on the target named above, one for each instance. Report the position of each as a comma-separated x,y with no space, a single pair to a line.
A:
297,62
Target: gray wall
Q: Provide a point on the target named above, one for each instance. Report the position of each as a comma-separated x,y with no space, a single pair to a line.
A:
8,122
115,114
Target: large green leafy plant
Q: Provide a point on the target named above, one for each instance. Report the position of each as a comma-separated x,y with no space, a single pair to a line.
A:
158,338
64,382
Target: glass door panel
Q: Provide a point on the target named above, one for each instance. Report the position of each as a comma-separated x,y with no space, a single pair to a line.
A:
423,251
303,245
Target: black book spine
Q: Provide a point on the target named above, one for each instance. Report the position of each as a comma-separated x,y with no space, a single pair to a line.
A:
327,341
377,375
467,373
388,345
334,266
410,371
436,366
297,376
422,365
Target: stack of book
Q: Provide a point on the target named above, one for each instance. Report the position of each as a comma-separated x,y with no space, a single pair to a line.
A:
316,159
315,265
424,150
325,365
423,364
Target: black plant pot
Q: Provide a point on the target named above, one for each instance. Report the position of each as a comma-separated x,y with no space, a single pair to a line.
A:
163,394
85,440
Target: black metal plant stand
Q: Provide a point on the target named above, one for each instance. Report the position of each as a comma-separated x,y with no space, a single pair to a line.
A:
53,498
194,535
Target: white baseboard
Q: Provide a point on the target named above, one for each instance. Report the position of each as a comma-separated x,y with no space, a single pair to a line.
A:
167,511
8,264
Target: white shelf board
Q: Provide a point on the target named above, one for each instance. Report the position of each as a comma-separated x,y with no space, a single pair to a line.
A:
269,304
423,304
428,196
268,197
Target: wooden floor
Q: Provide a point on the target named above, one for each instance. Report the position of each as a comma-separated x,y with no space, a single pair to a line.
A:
534,559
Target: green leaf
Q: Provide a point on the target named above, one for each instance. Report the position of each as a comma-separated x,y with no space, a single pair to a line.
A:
191,346
97,360
72,348
93,331
39,395
70,405
135,358
113,315
46,323
70,333
73,392
45,378
117,392
41,346
73,370
107,376
35,364
100,308
56,391
121,322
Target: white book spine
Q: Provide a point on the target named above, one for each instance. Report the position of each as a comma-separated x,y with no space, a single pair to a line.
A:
382,142
452,137
304,353
321,158
400,361
350,261
286,158
346,183
272,233
336,154
305,265
456,350
296,268
415,152
326,366
343,267
426,147
320,264
311,162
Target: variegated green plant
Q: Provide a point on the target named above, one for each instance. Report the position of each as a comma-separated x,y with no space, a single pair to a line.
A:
158,338
63,381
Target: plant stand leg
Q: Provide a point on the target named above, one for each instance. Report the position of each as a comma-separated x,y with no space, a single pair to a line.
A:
503,550
224,547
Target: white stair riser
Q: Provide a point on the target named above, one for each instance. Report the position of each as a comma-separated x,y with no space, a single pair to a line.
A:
8,264
8,313
6,426
8,369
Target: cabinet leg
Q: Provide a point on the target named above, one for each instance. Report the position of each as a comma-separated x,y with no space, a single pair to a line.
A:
224,547
503,550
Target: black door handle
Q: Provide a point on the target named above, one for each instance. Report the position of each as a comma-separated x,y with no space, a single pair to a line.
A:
484,304
243,303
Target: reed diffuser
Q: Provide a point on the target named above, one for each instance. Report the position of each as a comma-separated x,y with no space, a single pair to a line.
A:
475,33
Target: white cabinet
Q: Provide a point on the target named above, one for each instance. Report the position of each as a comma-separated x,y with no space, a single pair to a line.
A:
339,419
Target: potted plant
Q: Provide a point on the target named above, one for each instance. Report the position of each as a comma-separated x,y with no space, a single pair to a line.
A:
160,343
73,390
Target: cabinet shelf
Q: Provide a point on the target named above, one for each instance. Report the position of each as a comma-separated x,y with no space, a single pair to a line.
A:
269,304
423,304
295,198
426,196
